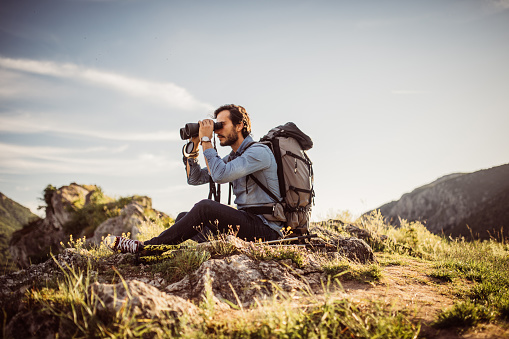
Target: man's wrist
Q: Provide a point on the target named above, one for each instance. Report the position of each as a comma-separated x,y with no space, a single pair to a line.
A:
205,139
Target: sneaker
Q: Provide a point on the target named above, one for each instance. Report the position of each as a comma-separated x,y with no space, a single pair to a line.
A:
123,245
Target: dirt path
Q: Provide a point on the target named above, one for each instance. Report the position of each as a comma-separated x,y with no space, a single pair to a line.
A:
409,287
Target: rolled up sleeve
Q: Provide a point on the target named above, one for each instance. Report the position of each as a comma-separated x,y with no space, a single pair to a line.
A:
254,159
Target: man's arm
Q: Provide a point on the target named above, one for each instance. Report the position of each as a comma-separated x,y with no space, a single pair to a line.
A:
255,158
206,130
195,174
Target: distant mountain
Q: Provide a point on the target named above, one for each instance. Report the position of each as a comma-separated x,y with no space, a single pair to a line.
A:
13,217
450,203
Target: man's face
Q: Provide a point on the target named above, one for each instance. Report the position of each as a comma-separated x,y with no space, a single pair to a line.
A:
228,134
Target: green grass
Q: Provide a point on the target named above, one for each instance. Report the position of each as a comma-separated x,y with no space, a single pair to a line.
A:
464,314
484,263
347,270
180,263
318,319
477,270
296,254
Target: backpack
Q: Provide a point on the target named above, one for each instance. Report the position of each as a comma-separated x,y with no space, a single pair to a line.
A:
295,173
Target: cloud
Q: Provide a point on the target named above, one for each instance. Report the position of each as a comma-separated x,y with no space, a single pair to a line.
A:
36,123
166,93
16,159
408,92
502,4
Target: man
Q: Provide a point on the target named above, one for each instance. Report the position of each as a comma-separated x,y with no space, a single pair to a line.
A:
248,221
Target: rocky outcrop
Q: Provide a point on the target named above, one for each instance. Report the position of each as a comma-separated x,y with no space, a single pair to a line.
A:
142,300
450,203
32,244
240,278
65,207
353,248
129,221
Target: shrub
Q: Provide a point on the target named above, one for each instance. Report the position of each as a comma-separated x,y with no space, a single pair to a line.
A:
296,253
180,263
464,314
345,269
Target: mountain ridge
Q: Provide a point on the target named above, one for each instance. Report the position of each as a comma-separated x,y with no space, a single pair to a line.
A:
13,216
458,204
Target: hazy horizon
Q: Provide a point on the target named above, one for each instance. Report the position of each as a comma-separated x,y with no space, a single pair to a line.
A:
394,94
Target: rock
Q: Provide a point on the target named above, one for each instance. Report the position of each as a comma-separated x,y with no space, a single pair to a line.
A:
350,247
129,220
237,278
34,243
356,250
65,200
143,300
35,323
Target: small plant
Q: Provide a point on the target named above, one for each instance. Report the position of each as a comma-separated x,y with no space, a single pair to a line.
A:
296,253
149,230
443,275
208,304
220,247
348,270
180,263
464,314
503,307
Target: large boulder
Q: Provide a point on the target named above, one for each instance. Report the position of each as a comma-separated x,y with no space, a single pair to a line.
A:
142,300
353,248
239,278
34,243
129,221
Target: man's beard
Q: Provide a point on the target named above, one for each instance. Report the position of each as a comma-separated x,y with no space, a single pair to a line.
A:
229,139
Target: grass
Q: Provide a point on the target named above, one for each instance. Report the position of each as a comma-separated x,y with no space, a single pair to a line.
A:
347,270
78,310
180,263
318,318
296,254
484,263
464,314
480,267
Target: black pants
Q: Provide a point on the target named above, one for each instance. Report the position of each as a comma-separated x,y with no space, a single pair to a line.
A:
209,216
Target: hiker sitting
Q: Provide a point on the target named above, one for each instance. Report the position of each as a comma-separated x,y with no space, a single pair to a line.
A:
249,222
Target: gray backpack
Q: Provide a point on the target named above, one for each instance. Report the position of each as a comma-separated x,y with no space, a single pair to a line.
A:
295,173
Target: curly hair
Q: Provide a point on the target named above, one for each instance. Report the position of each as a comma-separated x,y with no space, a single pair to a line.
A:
238,114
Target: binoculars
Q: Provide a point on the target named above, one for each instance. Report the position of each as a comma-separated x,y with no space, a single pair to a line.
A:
192,129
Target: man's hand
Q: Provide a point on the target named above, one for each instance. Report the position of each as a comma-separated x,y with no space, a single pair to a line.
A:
206,128
196,143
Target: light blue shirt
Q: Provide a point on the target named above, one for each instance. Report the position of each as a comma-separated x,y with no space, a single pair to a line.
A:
257,160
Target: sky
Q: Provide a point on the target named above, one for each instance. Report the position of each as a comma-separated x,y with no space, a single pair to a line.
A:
394,94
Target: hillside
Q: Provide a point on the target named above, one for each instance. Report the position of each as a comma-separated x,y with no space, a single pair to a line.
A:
458,204
355,279
412,285
13,217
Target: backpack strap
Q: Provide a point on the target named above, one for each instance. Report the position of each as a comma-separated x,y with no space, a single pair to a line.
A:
263,187
280,174
231,157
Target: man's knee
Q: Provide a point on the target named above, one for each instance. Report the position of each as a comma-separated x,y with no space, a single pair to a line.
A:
206,205
180,216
